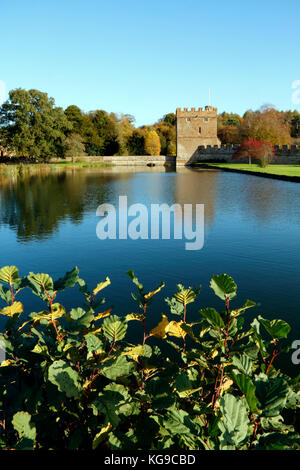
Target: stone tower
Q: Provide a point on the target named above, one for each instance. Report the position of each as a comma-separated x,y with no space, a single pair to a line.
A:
195,128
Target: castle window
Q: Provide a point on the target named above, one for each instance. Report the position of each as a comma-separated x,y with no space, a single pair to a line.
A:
200,130
206,119
188,119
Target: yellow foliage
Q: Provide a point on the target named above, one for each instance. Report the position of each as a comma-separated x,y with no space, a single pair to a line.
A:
174,329
160,331
102,315
152,143
11,310
101,286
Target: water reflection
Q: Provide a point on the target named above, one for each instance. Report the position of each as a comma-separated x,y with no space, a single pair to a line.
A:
48,224
35,204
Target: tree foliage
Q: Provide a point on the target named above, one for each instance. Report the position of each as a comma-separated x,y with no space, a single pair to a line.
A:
72,380
152,143
31,125
253,149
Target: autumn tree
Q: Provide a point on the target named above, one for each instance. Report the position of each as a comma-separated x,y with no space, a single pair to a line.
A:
266,125
152,143
229,128
253,149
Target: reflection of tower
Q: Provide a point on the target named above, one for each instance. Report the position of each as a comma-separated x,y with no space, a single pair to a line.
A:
197,187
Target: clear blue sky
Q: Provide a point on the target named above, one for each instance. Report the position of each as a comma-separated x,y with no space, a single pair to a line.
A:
147,57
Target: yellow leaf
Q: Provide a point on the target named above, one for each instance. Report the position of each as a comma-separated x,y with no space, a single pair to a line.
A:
101,286
174,329
134,352
58,311
103,314
214,354
5,363
160,331
101,435
150,294
23,324
135,316
226,385
12,310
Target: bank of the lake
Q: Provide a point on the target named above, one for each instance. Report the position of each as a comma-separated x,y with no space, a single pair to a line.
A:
283,172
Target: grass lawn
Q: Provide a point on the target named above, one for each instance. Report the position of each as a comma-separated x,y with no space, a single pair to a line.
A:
280,170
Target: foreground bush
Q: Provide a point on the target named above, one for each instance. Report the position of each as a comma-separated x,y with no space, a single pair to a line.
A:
71,380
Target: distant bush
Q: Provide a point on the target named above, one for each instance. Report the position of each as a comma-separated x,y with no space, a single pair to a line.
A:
71,380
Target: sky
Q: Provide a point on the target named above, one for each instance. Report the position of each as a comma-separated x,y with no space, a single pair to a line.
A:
148,57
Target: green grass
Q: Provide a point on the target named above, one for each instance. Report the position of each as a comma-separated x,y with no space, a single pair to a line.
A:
280,170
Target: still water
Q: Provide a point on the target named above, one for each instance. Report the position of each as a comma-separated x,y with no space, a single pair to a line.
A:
252,232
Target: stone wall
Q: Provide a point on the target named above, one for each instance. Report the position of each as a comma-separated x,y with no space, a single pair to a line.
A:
127,160
223,153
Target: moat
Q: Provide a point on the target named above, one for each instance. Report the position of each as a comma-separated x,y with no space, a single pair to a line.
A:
252,232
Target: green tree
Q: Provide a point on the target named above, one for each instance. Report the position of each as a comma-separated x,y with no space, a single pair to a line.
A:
125,131
74,146
106,128
32,126
169,119
83,125
152,143
136,142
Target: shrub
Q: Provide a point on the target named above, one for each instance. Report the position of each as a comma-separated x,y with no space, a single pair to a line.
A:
71,380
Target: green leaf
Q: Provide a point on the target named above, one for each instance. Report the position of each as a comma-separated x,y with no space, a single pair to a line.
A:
10,275
176,308
25,428
114,328
234,422
40,283
68,280
178,422
117,368
80,317
66,379
93,343
185,296
223,286
272,393
247,387
243,363
278,329
5,294
279,441
213,318
135,280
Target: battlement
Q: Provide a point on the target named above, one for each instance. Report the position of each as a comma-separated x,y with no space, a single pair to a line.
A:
283,149
186,111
